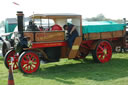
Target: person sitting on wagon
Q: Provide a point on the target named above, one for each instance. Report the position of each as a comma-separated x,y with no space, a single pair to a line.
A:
41,28
72,33
32,26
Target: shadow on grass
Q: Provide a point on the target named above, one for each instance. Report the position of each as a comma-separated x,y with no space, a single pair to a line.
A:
116,68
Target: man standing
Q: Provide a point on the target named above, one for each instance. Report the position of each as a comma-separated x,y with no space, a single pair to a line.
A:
72,33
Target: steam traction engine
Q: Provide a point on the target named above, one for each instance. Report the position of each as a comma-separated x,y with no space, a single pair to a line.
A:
48,42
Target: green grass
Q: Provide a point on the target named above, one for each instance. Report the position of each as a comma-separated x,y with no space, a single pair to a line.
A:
71,72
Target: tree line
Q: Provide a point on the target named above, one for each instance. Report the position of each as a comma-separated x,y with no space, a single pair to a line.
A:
101,17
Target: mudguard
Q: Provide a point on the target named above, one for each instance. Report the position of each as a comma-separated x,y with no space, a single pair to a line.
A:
5,47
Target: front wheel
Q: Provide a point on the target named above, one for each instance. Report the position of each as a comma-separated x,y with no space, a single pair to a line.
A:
28,62
102,52
7,61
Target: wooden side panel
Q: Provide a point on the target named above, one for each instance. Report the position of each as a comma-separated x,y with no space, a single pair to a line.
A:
30,35
118,34
49,36
105,35
64,51
75,48
92,36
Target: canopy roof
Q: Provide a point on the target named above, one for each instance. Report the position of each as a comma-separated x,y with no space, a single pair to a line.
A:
54,16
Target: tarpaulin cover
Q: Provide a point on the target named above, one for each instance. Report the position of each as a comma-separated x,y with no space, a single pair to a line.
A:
102,26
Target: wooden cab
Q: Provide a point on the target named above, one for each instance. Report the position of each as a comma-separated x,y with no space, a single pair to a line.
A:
52,25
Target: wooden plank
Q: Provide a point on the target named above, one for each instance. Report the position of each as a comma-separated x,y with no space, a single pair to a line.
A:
30,35
117,34
64,51
75,48
92,36
49,36
105,35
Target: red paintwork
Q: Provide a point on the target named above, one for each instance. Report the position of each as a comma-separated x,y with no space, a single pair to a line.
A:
101,55
30,62
53,44
56,27
114,39
87,44
15,59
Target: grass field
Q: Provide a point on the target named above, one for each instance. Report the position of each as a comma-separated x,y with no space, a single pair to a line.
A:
71,72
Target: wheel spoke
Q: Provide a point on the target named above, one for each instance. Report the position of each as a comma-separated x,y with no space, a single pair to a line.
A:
25,66
26,58
33,59
15,65
101,48
101,57
105,47
99,52
25,62
30,68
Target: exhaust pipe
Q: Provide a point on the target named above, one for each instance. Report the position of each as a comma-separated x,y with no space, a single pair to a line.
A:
20,16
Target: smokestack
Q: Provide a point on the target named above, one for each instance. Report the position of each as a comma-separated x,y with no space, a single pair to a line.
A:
20,16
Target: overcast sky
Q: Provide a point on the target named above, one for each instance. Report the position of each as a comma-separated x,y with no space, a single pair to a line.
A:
88,8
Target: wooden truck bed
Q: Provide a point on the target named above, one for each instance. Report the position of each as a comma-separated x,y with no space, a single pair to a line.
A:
104,35
103,31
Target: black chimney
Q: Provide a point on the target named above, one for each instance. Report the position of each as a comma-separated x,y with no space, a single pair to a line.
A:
20,16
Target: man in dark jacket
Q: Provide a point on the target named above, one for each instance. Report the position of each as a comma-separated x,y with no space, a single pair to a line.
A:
32,26
72,33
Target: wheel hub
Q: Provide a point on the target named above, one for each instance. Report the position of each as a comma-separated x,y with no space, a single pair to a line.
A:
30,62
105,51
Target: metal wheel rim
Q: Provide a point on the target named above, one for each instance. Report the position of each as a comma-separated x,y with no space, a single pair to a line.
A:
15,59
104,51
30,62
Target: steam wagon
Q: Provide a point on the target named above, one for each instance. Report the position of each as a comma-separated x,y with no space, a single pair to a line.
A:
48,43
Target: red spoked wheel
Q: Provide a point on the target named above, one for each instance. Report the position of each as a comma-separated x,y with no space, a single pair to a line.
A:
11,54
28,62
102,52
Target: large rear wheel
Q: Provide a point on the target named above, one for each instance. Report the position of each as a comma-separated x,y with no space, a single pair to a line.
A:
28,62
102,52
11,54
